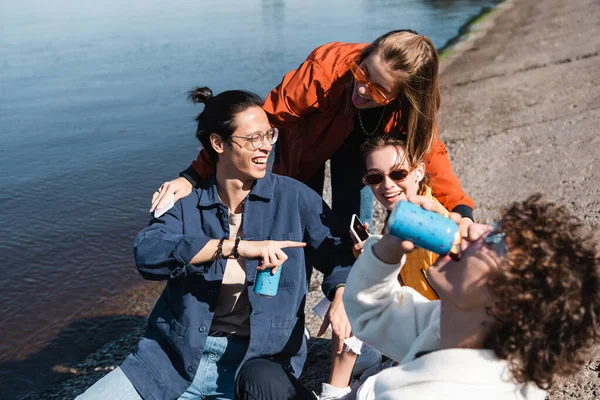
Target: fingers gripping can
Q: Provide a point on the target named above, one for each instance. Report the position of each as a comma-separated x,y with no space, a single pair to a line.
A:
267,282
426,229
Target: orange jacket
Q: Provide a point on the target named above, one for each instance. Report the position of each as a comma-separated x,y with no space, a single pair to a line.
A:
309,109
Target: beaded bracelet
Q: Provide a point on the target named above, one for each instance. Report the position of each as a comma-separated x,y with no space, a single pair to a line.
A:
219,252
236,255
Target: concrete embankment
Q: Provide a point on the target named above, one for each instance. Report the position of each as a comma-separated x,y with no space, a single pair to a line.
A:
520,112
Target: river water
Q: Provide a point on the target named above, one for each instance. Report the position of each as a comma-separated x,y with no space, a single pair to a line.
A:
93,118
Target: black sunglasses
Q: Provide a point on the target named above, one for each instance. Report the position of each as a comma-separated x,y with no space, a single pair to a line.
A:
397,175
496,240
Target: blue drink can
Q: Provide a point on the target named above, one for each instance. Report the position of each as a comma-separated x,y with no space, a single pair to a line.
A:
426,229
267,282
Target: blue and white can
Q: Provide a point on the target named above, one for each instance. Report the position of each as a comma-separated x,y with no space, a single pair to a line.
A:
267,282
426,229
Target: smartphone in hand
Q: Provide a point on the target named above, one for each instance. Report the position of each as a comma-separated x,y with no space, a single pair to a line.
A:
357,229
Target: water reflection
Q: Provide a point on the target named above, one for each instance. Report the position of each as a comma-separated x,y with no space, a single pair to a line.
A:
273,23
442,4
437,19
59,358
272,3
83,151
439,3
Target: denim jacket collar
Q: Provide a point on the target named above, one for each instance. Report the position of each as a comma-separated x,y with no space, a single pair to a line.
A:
208,193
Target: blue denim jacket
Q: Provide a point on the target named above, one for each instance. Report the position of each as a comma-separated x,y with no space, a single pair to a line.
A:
277,208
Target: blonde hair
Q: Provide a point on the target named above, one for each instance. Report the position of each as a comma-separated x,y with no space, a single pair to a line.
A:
414,60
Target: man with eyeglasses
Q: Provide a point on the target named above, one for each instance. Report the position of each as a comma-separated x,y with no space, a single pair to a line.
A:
521,305
211,335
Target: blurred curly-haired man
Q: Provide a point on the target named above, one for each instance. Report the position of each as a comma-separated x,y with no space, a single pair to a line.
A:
521,306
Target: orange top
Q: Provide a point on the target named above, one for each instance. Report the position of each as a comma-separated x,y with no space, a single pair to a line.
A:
414,270
309,109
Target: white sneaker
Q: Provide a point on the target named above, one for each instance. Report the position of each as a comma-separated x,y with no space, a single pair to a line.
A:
329,392
368,357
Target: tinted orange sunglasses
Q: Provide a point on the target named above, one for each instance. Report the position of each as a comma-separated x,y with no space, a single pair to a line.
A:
376,93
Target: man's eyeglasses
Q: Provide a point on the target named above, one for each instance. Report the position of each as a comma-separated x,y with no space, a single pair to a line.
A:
397,175
361,77
495,240
258,138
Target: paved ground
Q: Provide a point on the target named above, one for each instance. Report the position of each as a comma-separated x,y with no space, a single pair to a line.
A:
520,107
520,113
525,118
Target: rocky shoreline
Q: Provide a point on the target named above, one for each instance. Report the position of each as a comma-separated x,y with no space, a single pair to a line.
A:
520,109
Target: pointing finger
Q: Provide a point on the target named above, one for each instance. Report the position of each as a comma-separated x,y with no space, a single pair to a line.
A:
290,243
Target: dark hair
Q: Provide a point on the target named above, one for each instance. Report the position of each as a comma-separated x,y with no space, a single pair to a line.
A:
548,293
414,61
379,141
219,114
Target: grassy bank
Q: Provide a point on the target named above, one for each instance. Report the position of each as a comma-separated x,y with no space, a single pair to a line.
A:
466,30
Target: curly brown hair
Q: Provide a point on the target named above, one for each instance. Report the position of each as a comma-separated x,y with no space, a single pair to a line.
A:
548,295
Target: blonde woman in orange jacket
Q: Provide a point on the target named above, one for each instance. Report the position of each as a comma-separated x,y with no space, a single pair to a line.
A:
391,177
340,95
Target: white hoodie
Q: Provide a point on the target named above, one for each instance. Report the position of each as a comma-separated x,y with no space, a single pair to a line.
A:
405,326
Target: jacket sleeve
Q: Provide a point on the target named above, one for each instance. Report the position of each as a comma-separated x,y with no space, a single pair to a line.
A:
327,248
302,91
162,251
202,166
382,313
446,186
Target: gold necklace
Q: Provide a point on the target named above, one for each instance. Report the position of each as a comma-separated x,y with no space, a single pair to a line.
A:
362,125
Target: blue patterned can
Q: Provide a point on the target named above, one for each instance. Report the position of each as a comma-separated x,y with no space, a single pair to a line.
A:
267,282
426,229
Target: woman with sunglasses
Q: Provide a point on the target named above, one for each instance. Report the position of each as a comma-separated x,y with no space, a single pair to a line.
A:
342,94
392,177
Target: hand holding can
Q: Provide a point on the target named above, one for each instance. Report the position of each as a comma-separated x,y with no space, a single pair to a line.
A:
267,282
271,256
426,229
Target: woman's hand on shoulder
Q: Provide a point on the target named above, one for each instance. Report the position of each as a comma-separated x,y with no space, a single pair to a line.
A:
179,188
269,252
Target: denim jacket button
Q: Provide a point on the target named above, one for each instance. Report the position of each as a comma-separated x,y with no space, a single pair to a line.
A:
202,328
191,369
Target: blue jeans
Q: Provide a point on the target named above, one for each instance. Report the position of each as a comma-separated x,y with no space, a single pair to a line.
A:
214,379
